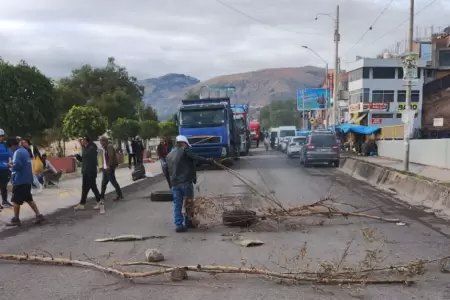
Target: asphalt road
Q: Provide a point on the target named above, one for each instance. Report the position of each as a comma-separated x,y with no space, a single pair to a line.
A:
72,234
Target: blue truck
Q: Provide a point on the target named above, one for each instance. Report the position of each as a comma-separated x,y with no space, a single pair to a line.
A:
210,128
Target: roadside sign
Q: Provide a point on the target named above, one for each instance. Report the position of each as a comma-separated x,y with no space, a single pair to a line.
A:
438,122
410,70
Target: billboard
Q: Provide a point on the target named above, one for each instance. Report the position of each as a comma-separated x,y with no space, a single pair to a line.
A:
313,99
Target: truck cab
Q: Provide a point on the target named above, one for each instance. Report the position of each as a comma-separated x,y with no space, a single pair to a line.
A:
240,114
208,125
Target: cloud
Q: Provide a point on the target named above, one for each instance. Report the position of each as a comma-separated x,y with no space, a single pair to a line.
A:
198,37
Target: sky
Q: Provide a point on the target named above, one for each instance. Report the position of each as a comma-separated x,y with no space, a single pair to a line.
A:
203,38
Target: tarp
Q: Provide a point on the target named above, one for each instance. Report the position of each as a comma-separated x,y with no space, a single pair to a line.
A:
359,129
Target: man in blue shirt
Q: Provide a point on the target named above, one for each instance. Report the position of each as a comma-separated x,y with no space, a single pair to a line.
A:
21,179
5,173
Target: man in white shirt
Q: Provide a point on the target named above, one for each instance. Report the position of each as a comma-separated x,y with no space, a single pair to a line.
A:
130,146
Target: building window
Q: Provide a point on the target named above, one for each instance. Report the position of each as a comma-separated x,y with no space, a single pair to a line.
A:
382,116
444,58
401,96
381,96
400,73
383,73
365,95
361,95
355,75
366,73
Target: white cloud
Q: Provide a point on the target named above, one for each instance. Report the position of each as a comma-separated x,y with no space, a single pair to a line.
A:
201,38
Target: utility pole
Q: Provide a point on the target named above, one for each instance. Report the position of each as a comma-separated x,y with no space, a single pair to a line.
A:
409,86
337,38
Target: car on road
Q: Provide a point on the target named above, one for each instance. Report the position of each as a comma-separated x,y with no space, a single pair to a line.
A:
320,148
284,142
295,145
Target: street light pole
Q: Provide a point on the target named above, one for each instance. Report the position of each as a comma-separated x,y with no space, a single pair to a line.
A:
337,38
409,86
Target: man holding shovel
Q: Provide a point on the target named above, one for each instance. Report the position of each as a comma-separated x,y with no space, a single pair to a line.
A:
183,176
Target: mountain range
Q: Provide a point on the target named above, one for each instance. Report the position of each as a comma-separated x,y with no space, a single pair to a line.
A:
257,88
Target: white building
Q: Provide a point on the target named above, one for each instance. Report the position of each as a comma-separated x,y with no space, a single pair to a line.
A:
377,92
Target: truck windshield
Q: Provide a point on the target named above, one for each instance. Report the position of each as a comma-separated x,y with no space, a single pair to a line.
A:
240,124
284,133
202,118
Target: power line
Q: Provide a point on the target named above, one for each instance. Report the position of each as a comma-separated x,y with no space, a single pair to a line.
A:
403,23
259,21
370,27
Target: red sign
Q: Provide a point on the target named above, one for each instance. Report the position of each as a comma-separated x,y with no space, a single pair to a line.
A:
375,106
377,121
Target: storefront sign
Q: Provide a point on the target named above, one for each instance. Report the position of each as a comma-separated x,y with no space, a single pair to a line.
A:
377,121
402,106
375,106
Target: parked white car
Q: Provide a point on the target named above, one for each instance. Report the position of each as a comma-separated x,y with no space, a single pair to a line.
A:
295,145
285,143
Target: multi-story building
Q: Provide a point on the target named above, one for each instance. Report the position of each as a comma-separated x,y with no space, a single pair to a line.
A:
377,91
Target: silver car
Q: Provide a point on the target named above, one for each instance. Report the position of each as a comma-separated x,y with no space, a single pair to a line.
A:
320,148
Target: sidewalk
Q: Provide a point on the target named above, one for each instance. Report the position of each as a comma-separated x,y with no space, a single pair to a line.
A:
434,173
69,192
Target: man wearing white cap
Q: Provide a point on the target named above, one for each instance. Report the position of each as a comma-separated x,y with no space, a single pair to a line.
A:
183,176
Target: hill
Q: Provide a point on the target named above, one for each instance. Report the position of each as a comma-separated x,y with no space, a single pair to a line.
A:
256,88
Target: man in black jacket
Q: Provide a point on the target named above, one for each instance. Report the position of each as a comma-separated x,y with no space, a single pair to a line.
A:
183,176
89,171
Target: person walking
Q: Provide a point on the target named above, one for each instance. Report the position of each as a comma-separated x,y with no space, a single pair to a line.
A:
183,176
88,159
130,147
139,151
109,165
162,151
22,179
5,172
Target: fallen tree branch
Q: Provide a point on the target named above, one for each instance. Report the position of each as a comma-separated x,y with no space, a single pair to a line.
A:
165,269
256,271
314,209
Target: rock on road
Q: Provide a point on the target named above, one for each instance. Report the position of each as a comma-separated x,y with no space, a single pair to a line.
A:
72,234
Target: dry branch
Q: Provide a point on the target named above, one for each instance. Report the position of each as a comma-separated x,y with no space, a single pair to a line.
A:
166,269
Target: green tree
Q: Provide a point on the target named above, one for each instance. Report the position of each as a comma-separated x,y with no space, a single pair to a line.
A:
27,102
110,89
168,128
149,129
146,113
84,121
191,95
280,113
123,129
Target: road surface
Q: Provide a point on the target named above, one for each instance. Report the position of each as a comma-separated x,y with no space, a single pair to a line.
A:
72,234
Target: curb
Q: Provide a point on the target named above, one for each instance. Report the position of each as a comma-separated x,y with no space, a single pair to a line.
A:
411,188
58,215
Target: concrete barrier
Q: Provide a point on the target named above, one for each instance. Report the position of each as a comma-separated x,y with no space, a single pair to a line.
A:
411,188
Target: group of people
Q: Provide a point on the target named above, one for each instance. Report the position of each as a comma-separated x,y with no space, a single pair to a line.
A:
16,166
179,167
135,150
89,165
